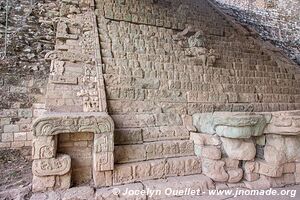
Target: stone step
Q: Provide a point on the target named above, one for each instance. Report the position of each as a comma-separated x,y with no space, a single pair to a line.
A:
146,120
162,189
193,187
153,150
156,169
127,136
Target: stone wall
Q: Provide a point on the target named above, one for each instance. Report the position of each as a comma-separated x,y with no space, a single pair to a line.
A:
135,75
275,20
24,71
257,150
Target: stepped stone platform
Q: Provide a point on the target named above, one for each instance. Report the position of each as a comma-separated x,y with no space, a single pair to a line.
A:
161,93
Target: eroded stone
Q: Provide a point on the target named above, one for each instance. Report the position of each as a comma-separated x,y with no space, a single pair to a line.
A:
239,149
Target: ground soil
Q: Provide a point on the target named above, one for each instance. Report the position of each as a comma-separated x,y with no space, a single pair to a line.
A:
15,175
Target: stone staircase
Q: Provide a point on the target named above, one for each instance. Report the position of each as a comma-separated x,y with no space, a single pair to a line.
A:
151,84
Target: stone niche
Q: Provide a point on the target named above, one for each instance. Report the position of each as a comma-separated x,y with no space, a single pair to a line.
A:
79,142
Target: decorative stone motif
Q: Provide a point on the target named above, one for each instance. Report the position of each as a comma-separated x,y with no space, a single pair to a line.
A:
47,164
284,123
280,149
63,123
44,147
214,169
53,166
90,91
231,125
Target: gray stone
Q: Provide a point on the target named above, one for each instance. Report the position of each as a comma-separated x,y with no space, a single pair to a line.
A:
231,125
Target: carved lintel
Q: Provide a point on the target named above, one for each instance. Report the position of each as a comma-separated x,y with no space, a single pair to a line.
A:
67,123
53,166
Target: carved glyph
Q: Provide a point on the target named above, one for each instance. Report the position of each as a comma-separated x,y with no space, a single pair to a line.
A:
44,147
89,92
53,166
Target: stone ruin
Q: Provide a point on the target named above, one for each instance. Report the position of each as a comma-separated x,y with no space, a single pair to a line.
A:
137,93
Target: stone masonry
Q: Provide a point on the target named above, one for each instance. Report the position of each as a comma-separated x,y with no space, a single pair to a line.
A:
159,90
275,20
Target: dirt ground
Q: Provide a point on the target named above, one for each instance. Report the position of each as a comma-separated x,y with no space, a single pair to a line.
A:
15,175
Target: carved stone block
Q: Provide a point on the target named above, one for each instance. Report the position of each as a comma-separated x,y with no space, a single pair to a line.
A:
52,166
102,179
41,184
44,147
103,161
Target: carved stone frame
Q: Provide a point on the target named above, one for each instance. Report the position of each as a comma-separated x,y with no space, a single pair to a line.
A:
44,147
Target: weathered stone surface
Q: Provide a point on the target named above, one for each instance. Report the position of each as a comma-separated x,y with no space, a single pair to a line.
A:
289,168
133,121
128,136
44,147
251,176
239,149
261,183
204,139
231,163
264,168
297,173
284,123
154,169
164,133
169,149
194,182
108,193
102,179
40,184
235,175
53,166
130,153
214,169
281,149
80,193
210,152
53,124
179,166
231,125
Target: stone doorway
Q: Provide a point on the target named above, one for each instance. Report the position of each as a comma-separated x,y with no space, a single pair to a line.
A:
79,147
72,147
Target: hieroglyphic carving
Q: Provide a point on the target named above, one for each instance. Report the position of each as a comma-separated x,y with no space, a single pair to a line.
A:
103,161
53,166
90,92
87,43
44,147
54,125
68,56
63,31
